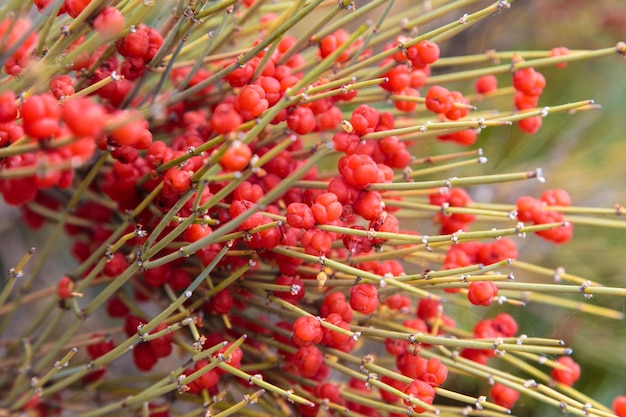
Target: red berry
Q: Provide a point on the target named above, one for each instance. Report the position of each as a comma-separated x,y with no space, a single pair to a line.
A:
236,157
195,232
560,51
301,120
65,288
528,208
75,7
307,331
439,100
109,22
503,395
134,45
251,102
619,405
529,81
497,251
428,309
427,52
8,106
317,242
486,84
41,114
300,215
523,101
530,125
434,374
505,324
482,292
176,180
457,111
422,391
61,86
220,303
308,360
556,197
225,119
335,302
364,298
570,374
144,357
297,290
326,208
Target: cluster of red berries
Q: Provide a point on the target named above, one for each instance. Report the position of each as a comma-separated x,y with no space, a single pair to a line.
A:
189,160
534,210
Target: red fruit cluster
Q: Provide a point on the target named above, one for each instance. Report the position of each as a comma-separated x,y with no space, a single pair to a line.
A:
146,354
501,326
454,197
194,163
534,210
528,85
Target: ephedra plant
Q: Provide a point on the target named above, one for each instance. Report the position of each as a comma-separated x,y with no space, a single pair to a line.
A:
257,227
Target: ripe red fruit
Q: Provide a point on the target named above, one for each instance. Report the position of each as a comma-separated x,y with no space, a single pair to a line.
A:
251,102
560,51
439,100
308,360
8,106
144,357
176,180
530,125
364,298
486,84
364,119
134,45
133,131
297,291
482,292
317,242
326,208
116,307
225,118
434,374
83,116
427,52
236,157
300,215
41,114
569,375
61,86
196,232
557,197
335,302
505,324
457,111
427,308
109,22
497,251
619,405
301,120
307,331
528,208
65,288
529,81
422,391
503,395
